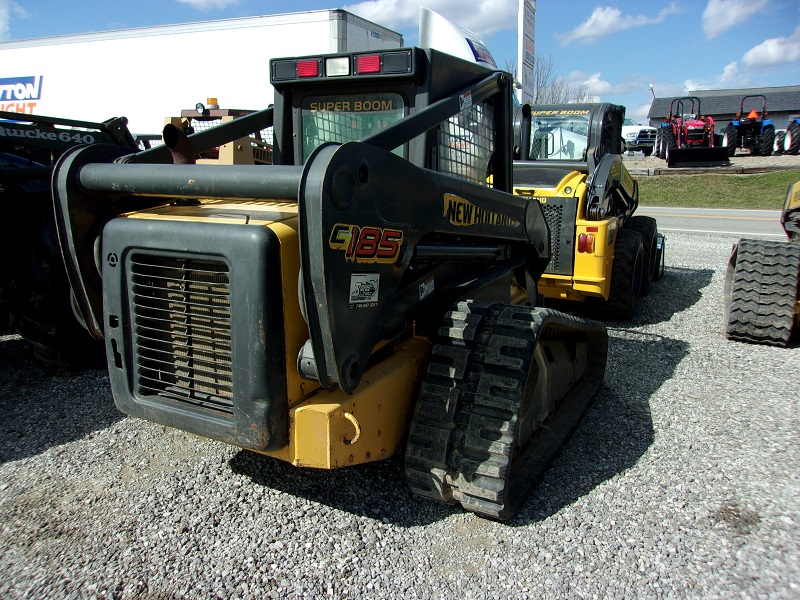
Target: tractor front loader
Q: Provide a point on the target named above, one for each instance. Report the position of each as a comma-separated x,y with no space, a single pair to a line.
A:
762,283
367,288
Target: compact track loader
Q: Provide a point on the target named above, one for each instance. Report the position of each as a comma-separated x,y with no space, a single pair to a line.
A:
569,162
367,288
762,281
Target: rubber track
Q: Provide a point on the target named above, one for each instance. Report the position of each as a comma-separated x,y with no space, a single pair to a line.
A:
462,443
762,287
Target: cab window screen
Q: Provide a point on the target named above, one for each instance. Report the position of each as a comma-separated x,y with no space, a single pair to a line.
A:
347,118
466,144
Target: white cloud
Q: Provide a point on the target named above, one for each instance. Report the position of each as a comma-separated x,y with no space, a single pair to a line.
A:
602,88
729,78
721,15
484,17
592,81
606,21
774,51
9,9
208,4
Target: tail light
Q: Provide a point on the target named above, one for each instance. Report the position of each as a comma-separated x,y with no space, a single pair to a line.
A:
368,63
307,68
586,243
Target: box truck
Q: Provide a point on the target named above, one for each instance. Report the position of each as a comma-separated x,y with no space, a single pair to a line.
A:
147,73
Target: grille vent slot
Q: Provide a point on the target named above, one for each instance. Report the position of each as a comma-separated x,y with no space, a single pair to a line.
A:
182,330
554,214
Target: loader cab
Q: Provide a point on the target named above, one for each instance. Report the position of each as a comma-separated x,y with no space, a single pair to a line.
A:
359,96
574,132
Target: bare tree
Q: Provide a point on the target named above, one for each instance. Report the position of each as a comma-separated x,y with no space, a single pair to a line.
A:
547,87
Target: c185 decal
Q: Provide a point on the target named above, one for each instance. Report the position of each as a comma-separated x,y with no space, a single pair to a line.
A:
366,244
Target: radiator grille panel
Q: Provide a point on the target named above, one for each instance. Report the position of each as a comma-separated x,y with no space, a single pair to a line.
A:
182,330
554,215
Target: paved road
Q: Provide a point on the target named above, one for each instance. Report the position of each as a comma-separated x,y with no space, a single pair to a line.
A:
744,223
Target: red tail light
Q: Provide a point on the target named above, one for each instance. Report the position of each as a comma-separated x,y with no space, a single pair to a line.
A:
308,68
586,243
368,64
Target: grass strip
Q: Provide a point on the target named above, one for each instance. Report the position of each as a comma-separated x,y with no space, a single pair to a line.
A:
717,190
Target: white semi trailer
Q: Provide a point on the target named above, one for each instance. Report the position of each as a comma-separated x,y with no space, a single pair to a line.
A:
147,73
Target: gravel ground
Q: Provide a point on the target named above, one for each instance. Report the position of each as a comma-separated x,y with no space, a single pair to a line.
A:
682,481
640,165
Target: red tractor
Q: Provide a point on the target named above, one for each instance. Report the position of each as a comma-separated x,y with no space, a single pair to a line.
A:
686,139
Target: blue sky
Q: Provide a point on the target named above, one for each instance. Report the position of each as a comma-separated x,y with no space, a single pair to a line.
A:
617,48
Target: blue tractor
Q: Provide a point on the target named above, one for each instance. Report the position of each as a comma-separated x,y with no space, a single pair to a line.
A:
751,130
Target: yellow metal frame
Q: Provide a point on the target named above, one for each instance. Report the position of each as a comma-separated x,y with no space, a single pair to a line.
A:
335,429
591,276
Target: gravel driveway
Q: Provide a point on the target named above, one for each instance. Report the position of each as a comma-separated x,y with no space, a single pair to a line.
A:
682,481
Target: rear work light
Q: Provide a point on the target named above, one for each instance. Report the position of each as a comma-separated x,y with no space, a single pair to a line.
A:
308,68
586,243
370,63
337,66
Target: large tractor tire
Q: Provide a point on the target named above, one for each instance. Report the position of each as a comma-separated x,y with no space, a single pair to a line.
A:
657,152
777,147
766,140
669,143
791,141
505,386
761,285
39,298
730,139
648,229
626,275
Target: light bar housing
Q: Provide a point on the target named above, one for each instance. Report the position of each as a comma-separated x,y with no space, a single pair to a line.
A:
376,63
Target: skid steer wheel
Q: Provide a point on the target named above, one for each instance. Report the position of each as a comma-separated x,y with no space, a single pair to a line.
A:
39,301
761,285
648,229
626,275
485,425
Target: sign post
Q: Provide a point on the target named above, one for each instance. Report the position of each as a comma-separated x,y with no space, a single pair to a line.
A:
526,48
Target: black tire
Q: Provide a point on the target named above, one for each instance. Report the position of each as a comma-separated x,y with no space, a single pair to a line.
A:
648,229
482,432
791,141
39,297
661,254
670,143
760,291
657,144
731,139
626,275
766,141
777,147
